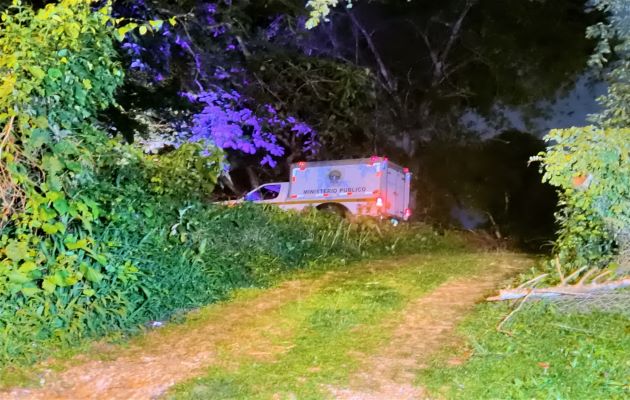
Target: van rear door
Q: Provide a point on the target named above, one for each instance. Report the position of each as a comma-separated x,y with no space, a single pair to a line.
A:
396,196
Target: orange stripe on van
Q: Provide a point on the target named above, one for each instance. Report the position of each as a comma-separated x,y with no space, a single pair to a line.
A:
324,200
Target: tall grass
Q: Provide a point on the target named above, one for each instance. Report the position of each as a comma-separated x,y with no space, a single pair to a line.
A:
165,259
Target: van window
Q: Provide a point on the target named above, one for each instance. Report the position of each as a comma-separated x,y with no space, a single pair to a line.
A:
267,192
270,192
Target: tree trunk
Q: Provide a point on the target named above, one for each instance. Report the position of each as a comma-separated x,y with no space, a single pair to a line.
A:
253,177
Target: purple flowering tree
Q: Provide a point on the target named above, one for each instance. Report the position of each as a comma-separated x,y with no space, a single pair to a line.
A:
229,120
190,80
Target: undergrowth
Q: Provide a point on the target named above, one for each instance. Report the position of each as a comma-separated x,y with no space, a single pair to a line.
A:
549,355
179,258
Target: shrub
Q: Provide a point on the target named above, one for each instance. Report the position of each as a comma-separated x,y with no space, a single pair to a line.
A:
591,168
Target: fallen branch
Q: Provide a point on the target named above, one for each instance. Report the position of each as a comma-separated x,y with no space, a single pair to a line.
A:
556,291
514,311
532,282
573,275
559,269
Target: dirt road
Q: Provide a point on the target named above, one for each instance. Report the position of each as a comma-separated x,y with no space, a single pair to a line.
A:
262,328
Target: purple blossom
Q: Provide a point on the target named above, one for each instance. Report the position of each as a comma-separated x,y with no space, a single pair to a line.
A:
274,28
132,48
230,123
221,74
182,43
138,65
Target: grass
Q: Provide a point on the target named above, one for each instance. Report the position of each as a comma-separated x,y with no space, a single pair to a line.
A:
549,356
332,329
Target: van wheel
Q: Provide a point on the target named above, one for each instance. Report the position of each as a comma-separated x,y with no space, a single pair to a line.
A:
334,209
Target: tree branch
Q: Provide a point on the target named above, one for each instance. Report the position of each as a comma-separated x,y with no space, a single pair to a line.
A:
382,68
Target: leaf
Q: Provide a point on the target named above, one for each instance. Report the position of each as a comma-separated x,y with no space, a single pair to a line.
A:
17,251
37,72
142,30
38,138
59,278
93,275
18,277
46,214
156,24
123,30
48,285
172,21
54,73
27,267
53,196
89,292
30,291
202,246
51,164
73,30
61,205
81,244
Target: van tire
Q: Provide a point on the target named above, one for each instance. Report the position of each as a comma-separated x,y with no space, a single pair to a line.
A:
334,209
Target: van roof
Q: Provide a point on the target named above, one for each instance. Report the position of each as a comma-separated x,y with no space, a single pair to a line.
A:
350,162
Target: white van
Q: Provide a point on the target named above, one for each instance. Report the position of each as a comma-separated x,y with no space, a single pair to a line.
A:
373,187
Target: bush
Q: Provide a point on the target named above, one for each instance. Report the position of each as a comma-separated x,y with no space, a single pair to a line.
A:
591,168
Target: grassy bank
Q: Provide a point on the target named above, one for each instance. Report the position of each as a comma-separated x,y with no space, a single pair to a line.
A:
549,355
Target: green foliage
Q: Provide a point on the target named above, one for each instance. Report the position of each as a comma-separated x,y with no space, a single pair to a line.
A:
57,70
613,50
548,356
176,172
164,250
591,168
319,10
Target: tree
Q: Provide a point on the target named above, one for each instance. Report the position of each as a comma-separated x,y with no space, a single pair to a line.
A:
466,55
590,165
214,75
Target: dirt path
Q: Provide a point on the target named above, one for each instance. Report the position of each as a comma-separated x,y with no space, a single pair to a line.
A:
182,352
427,326
251,328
